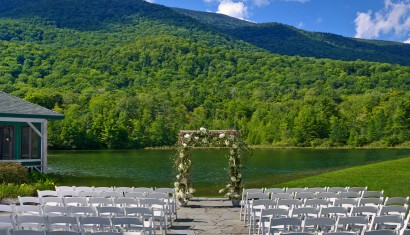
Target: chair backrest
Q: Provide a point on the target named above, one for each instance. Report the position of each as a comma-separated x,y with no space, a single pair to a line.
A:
51,201
143,190
89,193
55,210
125,201
29,200
373,194
100,201
94,223
305,195
84,188
319,224
346,202
396,201
7,222
123,189
75,201
275,190
393,210
47,193
290,224
289,203
316,190
317,202
109,211
305,212
364,210
68,193
370,201
277,196
103,189
78,211
66,223
135,194
342,233
275,213
334,211
157,195
138,212
295,190
328,195
128,224
30,222
357,189
7,208
352,222
111,194
27,210
337,189
380,232
350,194
379,222
64,188
251,196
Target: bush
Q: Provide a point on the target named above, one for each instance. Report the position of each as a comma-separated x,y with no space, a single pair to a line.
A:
13,172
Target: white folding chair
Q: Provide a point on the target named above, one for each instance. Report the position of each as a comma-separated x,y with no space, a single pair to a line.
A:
349,194
371,202
64,188
317,202
62,223
244,199
305,212
68,193
62,233
394,210
274,190
144,213
136,195
159,211
357,224
111,194
89,194
390,222
251,197
84,188
295,190
126,202
381,232
262,224
7,209
304,196
172,199
143,190
373,194
7,222
357,189
396,201
289,203
368,211
257,206
347,202
124,189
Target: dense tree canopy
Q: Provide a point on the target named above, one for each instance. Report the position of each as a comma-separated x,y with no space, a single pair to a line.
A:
135,84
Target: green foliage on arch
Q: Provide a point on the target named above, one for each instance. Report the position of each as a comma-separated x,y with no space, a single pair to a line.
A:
209,138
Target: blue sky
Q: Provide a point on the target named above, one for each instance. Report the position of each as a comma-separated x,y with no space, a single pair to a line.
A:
371,19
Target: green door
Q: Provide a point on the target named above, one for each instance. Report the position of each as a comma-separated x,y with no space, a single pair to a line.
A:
6,142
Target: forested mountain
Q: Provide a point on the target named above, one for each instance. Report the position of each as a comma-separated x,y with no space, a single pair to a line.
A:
286,40
130,74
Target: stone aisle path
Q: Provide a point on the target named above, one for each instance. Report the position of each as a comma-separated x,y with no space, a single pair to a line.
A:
208,216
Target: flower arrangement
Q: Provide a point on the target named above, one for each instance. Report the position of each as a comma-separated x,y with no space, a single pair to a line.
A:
204,138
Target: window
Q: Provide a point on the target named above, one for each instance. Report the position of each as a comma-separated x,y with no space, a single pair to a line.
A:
30,143
6,142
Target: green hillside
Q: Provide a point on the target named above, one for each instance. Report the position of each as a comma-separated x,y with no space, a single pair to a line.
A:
286,40
129,74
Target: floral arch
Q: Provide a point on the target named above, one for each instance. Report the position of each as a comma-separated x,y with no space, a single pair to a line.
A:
188,139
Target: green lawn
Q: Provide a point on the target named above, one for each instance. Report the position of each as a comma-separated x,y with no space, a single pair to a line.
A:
391,176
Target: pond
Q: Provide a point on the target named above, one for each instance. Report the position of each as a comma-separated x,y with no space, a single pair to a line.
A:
152,168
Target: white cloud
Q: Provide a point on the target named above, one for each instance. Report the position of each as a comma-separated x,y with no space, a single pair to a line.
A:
261,3
234,9
150,1
407,41
300,25
393,18
301,1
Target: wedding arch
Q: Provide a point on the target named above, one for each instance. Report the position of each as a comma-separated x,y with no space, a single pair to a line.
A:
188,139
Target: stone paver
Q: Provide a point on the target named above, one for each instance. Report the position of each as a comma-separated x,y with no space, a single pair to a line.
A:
208,216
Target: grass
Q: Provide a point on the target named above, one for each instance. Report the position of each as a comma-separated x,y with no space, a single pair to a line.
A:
391,176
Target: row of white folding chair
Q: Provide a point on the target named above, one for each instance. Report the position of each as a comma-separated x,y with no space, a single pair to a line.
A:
73,220
102,189
34,232
323,211
79,224
314,189
358,224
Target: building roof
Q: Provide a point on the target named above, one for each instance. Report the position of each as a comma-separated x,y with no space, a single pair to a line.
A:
11,106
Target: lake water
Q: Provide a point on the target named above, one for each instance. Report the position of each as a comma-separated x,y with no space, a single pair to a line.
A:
152,168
